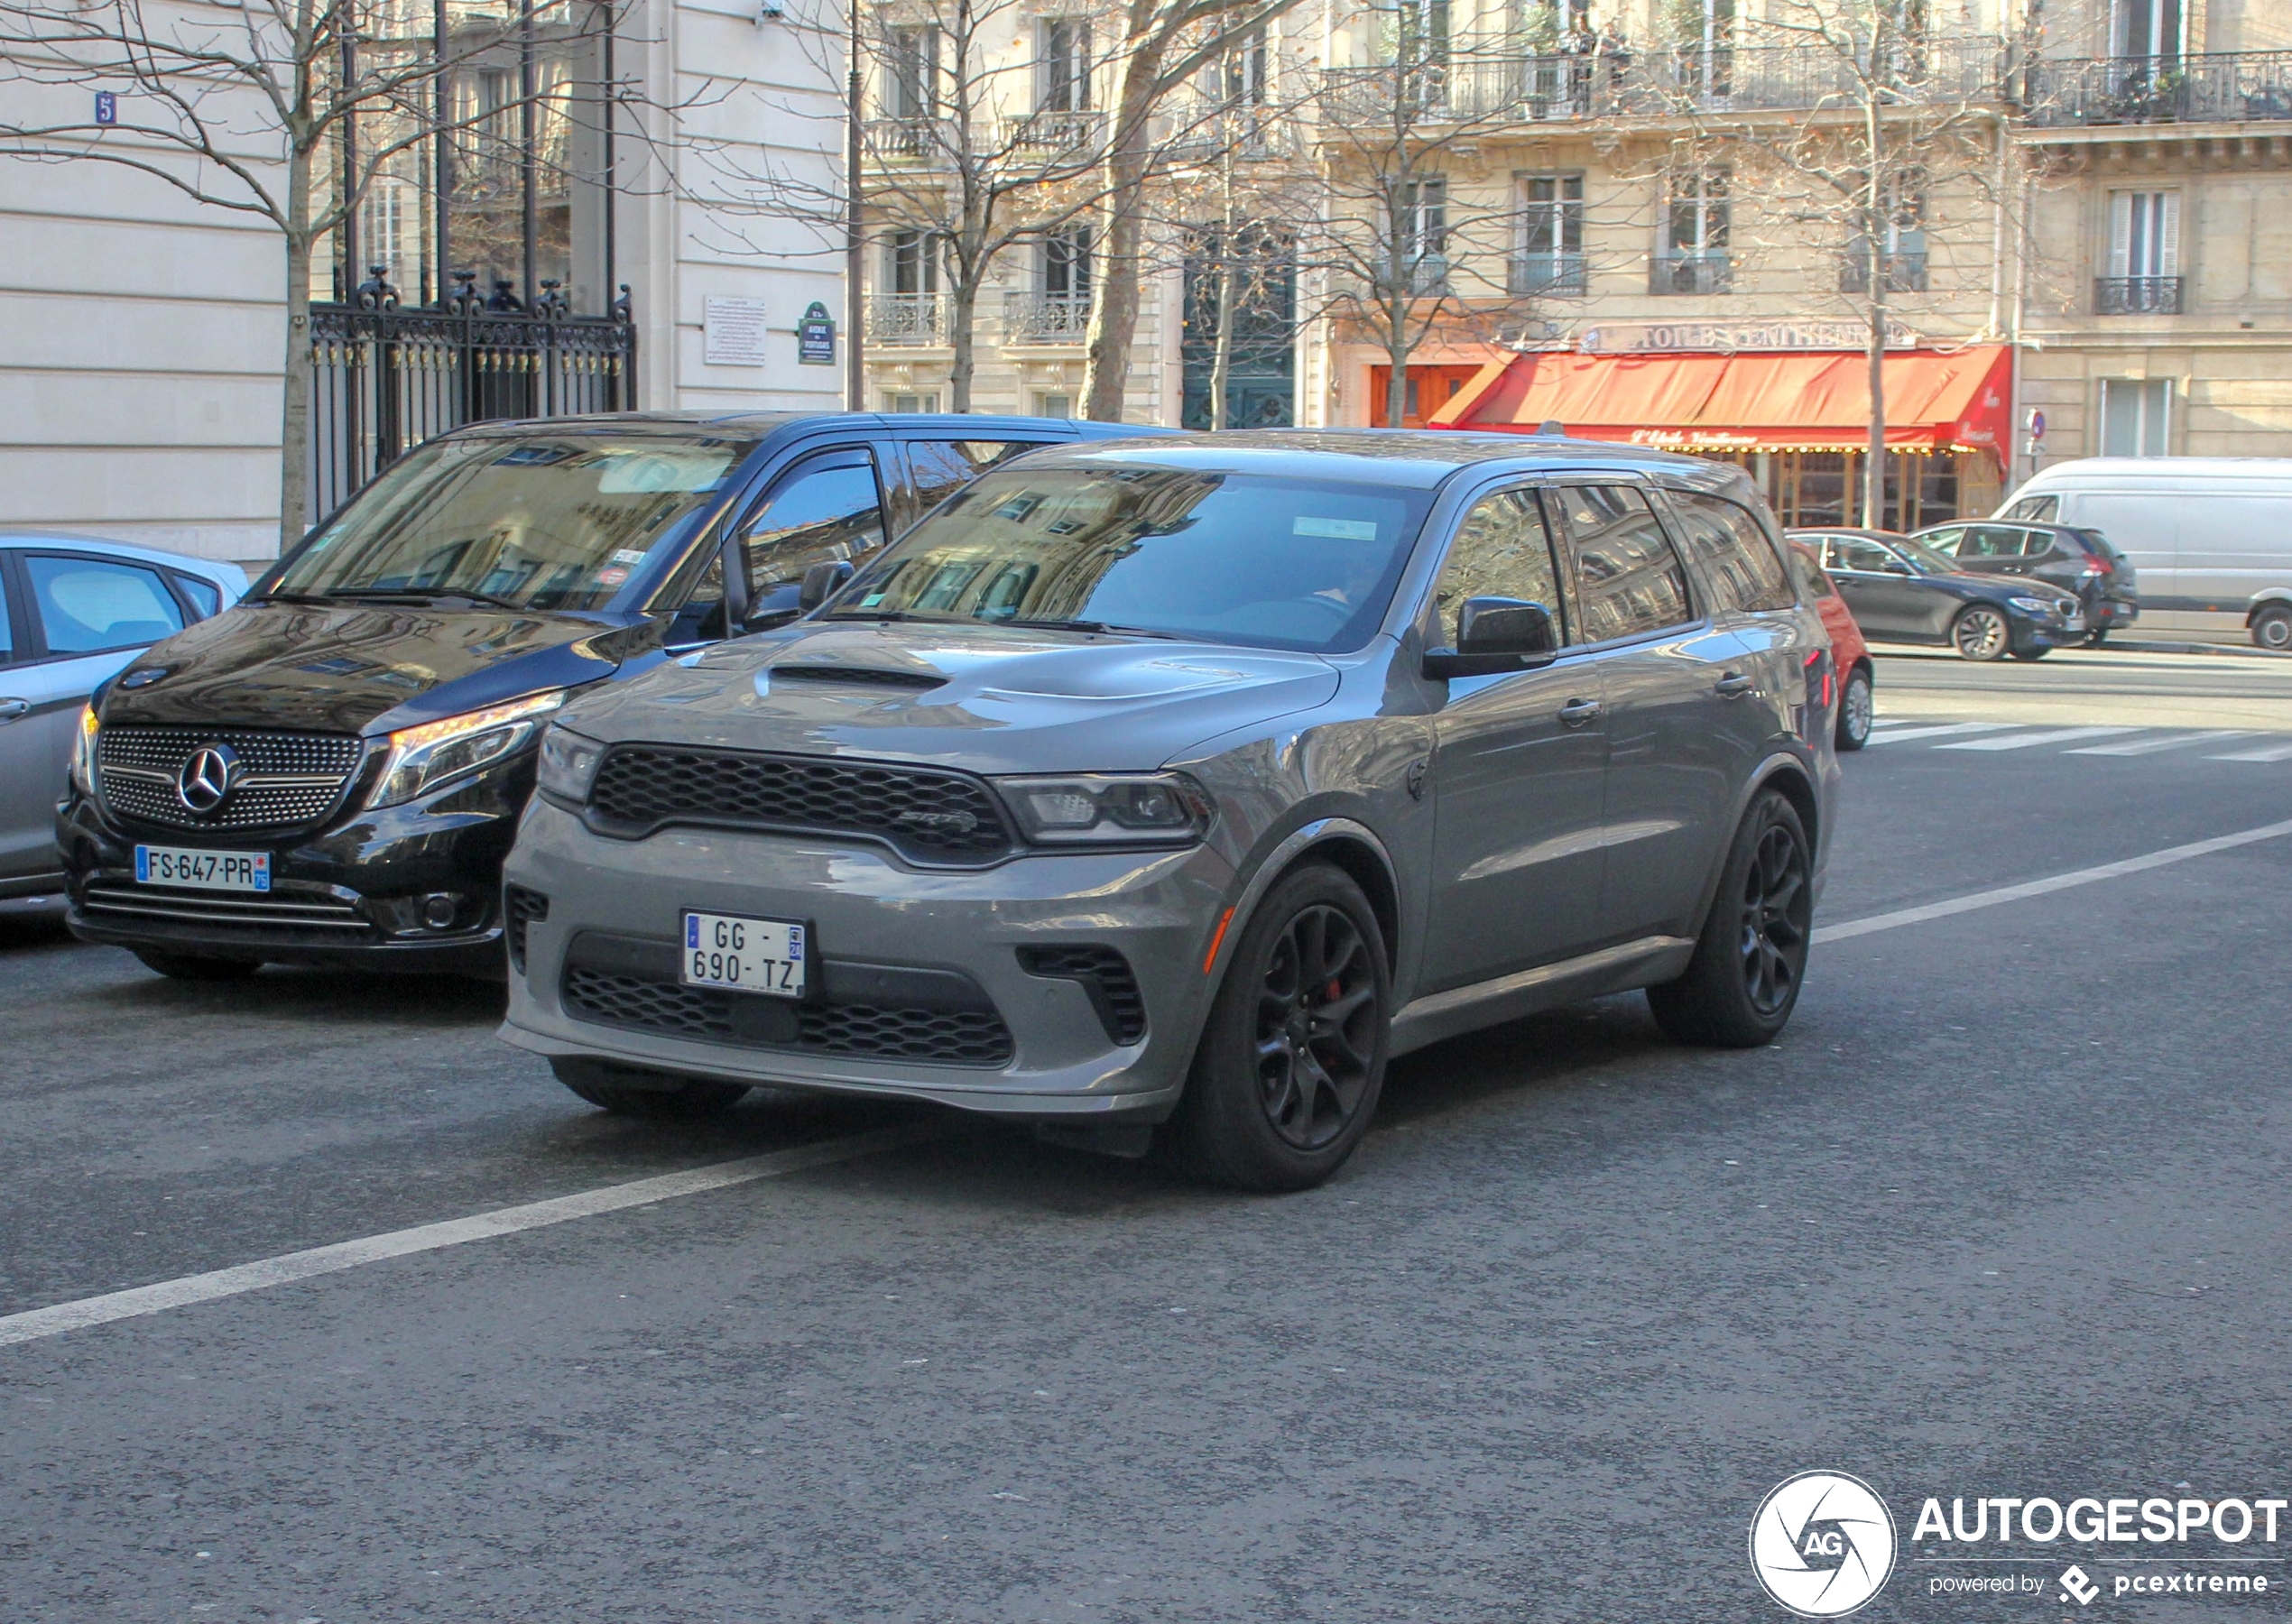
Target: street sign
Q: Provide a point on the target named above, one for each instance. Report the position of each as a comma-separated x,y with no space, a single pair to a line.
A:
2037,425
816,338
107,107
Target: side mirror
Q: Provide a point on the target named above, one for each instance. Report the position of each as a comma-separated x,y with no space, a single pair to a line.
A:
822,582
1495,634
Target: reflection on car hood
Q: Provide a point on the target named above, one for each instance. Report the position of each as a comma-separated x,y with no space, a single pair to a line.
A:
355,668
2000,588
991,699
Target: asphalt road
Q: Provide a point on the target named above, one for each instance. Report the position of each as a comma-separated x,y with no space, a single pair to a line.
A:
2004,1213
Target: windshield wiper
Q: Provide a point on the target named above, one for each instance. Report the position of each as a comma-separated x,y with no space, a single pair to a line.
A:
423,594
285,598
1091,625
892,614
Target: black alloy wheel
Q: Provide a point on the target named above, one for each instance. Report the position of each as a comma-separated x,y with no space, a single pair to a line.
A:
1751,959
1857,710
1980,633
1292,1056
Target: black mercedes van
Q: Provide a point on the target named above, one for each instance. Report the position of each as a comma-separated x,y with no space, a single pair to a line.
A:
331,771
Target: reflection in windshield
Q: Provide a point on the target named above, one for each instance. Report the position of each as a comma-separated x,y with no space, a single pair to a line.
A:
1924,558
556,521
1227,558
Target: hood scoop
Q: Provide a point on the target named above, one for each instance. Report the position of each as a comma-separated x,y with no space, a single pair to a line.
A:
857,676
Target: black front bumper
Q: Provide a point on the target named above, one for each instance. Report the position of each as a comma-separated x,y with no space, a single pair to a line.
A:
352,894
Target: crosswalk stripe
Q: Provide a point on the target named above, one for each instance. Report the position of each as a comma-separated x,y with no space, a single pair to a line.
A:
2132,747
2059,735
1935,731
2265,752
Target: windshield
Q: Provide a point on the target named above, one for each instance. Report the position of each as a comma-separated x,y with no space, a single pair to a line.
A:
1227,557
1923,559
549,521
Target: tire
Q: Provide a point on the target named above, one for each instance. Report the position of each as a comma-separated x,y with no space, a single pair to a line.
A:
191,967
2272,630
2031,653
2096,637
631,1092
1282,1088
1742,982
1856,711
1980,633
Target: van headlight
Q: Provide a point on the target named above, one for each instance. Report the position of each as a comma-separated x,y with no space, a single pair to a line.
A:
1146,809
83,751
422,758
568,764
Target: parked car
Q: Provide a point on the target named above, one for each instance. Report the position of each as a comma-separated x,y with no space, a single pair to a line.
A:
1850,655
1177,784
1903,591
2210,536
2080,561
73,611
332,772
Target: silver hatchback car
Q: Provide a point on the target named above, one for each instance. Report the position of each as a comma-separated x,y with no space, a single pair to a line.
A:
1168,789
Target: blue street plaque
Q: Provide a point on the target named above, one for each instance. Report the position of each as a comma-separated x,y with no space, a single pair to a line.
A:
107,107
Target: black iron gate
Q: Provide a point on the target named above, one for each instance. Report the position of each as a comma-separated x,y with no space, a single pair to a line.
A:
385,379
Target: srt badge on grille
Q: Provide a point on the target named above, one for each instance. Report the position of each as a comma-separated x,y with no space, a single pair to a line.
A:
206,778
939,823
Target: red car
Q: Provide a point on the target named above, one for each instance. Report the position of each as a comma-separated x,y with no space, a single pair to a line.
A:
1849,653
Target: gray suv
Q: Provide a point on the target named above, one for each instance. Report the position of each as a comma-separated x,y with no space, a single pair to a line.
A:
1159,793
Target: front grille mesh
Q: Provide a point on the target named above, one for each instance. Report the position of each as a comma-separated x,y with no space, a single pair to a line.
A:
285,780
928,815
939,1036
520,907
1105,975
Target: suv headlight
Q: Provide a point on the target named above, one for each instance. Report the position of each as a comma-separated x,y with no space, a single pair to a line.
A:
83,751
568,764
2030,606
1146,809
436,753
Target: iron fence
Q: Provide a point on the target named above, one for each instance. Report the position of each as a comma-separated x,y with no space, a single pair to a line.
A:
1556,276
1690,273
2136,296
383,379
1046,317
2222,88
908,319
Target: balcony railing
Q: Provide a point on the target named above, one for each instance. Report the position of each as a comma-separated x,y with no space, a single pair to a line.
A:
1694,272
1903,272
1046,317
2137,295
1664,81
2226,88
905,137
1550,275
1202,128
1419,276
907,318
1054,134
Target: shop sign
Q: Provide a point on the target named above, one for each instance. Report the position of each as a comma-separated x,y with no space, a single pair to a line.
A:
1626,338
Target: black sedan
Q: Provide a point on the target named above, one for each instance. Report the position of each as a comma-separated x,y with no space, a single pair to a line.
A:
2082,561
1903,591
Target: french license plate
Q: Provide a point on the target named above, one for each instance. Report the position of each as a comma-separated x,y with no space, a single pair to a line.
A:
202,869
744,954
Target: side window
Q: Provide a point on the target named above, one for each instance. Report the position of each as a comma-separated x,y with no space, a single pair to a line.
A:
207,597
1848,552
1990,541
817,515
1808,572
87,606
8,637
1945,541
1627,580
936,469
1502,550
2036,543
2035,507
1735,555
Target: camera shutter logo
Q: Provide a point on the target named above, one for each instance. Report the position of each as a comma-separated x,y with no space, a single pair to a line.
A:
1822,1543
206,778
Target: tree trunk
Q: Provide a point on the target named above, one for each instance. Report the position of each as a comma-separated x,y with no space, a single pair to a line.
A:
1114,319
963,311
294,400
1397,347
1222,358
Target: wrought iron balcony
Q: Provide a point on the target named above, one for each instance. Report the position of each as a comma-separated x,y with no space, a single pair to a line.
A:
907,318
1550,275
2136,296
1904,272
1418,276
1054,134
1046,317
1690,273
2223,88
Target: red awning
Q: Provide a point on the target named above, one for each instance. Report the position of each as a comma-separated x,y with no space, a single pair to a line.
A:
1755,402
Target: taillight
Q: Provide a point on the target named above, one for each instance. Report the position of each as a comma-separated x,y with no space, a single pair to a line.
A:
1819,673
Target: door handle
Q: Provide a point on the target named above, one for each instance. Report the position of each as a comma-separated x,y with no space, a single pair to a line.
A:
9,709
1734,685
1576,712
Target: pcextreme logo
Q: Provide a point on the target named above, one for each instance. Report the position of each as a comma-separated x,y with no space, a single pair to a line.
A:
1822,1543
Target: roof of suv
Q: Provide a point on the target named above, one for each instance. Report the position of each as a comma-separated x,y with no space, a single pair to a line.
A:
1414,458
760,423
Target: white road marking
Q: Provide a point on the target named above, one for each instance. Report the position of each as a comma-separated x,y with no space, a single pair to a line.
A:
137,1301
2132,747
2038,887
1936,730
2058,735
2265,752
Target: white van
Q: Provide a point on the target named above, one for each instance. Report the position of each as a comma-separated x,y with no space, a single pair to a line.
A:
2209,536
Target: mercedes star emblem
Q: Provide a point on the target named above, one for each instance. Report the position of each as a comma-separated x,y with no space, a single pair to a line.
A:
206,778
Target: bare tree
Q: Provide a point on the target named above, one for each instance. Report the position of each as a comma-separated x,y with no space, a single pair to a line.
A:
287,110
